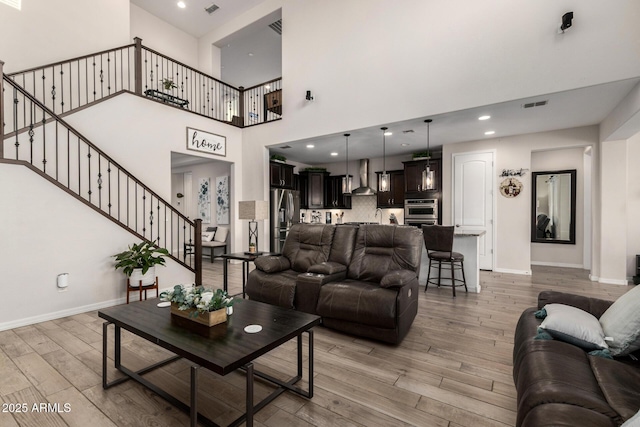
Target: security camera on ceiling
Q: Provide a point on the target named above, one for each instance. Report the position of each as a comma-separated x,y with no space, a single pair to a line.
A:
566,21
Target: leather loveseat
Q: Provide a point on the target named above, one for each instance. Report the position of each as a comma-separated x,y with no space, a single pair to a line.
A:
560,384
360,280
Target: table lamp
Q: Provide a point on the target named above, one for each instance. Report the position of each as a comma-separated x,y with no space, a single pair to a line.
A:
253,211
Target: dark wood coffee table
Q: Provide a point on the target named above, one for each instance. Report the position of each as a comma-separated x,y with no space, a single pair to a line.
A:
222,348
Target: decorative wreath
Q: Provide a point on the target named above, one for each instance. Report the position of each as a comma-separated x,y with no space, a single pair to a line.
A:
510,187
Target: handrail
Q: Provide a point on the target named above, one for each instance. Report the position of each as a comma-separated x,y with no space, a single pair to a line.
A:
53,141
262,84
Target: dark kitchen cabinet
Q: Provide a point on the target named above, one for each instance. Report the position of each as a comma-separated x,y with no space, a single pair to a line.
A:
334,198
413,178
312,189
281,175
394,198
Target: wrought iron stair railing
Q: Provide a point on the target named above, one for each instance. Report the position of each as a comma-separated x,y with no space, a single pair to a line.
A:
69,85
35,136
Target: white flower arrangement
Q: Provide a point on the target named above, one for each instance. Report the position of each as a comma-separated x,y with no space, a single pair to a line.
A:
201,299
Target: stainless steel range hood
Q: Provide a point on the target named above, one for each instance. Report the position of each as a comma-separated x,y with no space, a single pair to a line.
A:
364,189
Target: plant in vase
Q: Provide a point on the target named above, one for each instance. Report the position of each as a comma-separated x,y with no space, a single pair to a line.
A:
252,247
139,262
199,303
168,84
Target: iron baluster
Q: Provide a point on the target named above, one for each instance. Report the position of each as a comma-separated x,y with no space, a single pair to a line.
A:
44,144
57,151
109,186
62,87
15,121
101,76
144,207
99,182
94,78
151,218
109,73
89,174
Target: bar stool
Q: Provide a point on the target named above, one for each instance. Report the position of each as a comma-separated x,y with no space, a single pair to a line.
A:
438,240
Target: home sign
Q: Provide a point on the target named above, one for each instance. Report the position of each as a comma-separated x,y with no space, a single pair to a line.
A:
198,140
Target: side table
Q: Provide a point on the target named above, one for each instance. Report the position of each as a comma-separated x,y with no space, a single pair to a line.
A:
246,259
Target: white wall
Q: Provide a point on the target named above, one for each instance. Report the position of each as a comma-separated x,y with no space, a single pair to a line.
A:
47,31
633,203
513,216
555,254
163,37
50,233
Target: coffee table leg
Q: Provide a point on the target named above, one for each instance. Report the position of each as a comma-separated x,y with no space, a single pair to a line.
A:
194,396
249,408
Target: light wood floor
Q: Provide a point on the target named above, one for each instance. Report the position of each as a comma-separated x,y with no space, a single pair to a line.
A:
453,369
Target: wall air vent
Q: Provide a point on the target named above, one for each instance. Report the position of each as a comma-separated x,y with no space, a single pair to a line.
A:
212,8
535,104
277,26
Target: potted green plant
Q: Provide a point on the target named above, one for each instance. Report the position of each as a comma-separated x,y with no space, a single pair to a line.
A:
199,304
421,155
168,84
139,262
252,247
278,158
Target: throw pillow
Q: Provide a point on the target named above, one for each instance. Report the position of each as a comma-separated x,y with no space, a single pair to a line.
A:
575,326
633,421
621,322
207,236
221,234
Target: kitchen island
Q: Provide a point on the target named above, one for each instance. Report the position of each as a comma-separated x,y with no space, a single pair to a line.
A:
467,242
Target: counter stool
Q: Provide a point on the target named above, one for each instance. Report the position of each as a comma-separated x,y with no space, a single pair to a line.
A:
438,240
141,288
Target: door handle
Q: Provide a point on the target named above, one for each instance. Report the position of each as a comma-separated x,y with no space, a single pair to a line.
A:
457,225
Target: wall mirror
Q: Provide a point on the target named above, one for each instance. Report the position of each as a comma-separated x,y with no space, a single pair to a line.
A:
553,208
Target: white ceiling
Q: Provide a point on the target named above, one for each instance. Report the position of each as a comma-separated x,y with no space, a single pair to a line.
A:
580,107
193,19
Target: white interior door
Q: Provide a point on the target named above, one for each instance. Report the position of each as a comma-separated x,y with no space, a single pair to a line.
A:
473,199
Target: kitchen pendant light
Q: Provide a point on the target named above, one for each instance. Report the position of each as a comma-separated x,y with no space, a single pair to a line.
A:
428,176
347,180
384,178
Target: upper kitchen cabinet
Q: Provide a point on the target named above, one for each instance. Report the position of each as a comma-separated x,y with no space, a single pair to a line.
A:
281,175
394,198
413,178
334,197
312,189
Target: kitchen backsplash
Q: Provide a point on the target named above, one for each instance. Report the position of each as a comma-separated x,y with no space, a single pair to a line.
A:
363,209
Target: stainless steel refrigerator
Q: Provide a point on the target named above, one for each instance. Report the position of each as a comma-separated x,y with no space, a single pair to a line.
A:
285,211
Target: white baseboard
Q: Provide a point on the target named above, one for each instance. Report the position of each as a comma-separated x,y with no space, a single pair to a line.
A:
557,264
613,281
509,271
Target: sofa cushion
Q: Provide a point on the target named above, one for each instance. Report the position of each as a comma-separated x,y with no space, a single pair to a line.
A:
621,322
327,268
380,249
562,415
272,264
359,302
398,279
575,326
619,384
308,244
277,289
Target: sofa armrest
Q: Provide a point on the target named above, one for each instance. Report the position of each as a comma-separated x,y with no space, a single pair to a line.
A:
272,264
594,306
397,278
308,289
327,268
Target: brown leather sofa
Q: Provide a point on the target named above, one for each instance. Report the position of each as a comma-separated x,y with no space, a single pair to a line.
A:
361,280
559,384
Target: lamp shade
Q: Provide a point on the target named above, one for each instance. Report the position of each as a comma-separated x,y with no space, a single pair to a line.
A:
253,210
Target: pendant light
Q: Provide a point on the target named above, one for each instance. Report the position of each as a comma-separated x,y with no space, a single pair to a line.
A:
428,176
347,180
384,178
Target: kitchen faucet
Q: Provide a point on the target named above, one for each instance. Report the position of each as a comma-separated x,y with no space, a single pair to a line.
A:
376,215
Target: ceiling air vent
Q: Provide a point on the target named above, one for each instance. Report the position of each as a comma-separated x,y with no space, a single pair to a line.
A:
277,26
284,147
212,8
535,104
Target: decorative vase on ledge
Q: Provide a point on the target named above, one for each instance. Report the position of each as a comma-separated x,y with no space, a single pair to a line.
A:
209,319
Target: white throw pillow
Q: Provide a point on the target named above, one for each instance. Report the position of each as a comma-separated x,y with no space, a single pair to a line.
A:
207,236
575,326
633,421
221,234
621,322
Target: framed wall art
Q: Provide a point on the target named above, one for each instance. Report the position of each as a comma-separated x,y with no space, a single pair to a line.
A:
205,142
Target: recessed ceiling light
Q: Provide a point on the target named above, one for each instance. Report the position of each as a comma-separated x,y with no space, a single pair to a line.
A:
334,154
484,117
405,144
181,5
490,132
310,145
250,54
387,133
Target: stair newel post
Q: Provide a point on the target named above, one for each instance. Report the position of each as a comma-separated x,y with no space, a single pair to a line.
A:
138,65
197,242
1,111
241,105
